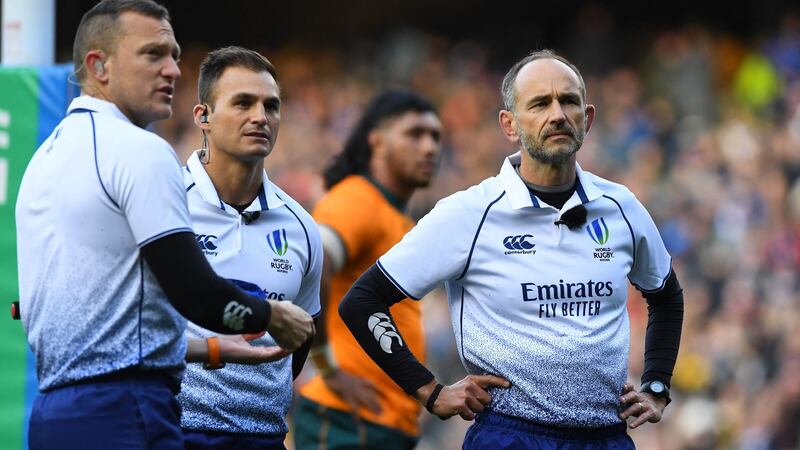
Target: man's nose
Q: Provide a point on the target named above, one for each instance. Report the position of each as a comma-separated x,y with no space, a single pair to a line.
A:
556,113
431,144
260,115
171,69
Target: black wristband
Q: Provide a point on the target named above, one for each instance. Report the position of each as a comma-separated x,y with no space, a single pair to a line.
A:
432,398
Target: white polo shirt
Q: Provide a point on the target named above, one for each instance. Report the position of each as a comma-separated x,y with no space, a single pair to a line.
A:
535,302
277,256
97,190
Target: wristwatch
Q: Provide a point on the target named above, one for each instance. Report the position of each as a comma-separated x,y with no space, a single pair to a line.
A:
657,389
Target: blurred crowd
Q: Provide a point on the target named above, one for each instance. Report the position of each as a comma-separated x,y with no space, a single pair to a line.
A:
704,127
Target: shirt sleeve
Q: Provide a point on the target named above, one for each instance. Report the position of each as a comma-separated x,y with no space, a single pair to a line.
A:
652,263
343,212
147,185
308,295
435,250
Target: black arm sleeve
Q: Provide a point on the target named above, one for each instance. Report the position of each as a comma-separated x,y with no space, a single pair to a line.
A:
663,338
197,292
301,354
365,311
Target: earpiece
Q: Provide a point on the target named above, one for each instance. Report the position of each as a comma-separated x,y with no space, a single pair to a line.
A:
98,66
204,116
204,154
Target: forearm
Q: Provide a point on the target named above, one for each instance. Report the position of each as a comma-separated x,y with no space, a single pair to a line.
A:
663,337
365,311
321,337
196,350
299,358
320,353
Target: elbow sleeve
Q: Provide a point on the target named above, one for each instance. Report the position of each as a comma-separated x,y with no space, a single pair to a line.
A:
663,337
197,292
365,311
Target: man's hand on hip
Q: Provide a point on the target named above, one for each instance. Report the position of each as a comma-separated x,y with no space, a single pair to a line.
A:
640,405
465,398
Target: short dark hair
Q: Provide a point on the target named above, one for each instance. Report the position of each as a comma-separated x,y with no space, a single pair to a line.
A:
98,27
220,59
354,158
508,90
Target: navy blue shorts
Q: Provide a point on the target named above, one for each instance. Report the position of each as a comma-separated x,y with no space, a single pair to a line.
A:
496,431
127,410
205,440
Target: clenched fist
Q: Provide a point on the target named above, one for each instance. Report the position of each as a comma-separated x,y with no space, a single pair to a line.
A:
289,325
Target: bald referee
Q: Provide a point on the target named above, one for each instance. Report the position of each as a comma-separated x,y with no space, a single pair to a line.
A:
536,262
108,263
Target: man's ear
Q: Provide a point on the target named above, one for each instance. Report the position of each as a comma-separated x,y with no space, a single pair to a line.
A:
590,112
507,121
201,116
95,64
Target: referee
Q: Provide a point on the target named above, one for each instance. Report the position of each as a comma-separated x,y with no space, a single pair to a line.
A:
257,236
108,264
536,262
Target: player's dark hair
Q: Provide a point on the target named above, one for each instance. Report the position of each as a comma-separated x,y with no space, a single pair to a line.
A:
354,157
217,61
508,91
99,28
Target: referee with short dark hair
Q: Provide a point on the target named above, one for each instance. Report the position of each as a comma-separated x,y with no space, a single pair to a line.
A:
108,262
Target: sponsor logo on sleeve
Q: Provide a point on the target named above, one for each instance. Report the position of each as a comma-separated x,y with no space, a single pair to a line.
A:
234,314
384,331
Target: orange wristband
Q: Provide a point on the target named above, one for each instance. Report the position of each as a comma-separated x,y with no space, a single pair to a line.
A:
213,354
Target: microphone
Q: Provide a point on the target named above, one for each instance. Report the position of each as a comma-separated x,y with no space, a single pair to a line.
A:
573,218
250,216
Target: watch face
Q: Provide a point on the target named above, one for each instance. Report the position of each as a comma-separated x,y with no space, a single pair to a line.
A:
657,387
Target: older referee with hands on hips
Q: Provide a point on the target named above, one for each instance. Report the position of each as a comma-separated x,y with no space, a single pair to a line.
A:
536,262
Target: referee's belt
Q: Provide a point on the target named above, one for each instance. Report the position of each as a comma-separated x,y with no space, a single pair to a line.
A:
494,418
166,376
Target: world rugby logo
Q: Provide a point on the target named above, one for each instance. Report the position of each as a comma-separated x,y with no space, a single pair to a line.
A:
277,241
384,331
598,231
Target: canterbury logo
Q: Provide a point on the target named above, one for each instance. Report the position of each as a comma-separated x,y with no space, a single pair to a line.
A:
384,331
234,315
206,241
519,242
